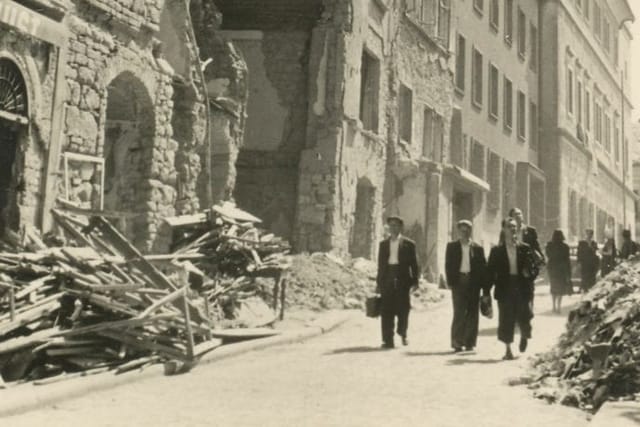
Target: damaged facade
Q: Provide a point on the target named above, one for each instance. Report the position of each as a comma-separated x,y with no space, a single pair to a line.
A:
103,104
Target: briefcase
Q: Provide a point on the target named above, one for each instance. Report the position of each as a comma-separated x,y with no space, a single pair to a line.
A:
372,306
486,308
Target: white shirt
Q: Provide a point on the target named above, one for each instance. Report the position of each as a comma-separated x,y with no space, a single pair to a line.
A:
394,244
513,258
465,264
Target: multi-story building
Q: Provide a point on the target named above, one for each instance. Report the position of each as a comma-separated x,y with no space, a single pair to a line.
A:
347,119
585,126
634,152
494,135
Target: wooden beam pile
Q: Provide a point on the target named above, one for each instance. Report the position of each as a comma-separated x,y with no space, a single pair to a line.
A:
226,247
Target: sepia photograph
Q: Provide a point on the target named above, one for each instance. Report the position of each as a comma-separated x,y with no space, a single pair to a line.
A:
319,213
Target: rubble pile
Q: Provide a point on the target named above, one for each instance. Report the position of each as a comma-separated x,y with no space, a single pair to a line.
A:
90,302
321,281
598,356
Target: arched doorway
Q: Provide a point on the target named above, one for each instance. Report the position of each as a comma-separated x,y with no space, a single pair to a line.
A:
13,117
361,239
128,152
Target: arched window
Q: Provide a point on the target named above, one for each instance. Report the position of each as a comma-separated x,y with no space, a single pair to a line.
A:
13,91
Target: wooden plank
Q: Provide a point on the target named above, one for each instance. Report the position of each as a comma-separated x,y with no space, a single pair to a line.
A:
29,316
116,324
143,343
33,285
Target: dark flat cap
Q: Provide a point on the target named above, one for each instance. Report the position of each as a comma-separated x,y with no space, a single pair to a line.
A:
465,222
395,218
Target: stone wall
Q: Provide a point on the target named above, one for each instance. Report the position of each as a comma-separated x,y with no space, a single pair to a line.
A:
36,62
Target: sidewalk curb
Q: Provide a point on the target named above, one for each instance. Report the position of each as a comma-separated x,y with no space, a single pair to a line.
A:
28,397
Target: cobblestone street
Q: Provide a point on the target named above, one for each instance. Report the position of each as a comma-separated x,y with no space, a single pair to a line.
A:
341,379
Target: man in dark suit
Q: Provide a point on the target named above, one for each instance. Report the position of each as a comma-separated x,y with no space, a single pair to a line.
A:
589,260
398,273
465,268
509,270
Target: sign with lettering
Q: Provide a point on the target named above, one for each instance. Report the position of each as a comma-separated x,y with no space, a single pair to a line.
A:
32,23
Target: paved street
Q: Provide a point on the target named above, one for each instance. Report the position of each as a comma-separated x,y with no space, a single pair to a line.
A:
341,379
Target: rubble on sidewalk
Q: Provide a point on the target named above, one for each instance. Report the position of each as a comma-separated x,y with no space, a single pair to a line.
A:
95,303
321,281
598,356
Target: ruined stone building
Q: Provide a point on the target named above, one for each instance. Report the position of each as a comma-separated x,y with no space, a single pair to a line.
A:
495,123
103,103
585,126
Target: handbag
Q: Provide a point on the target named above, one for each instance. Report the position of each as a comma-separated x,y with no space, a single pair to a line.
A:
372,306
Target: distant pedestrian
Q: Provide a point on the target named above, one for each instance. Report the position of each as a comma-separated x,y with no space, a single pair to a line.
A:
465,268
511,269
529,235
609,254
558,269
588,260
629,247
398,273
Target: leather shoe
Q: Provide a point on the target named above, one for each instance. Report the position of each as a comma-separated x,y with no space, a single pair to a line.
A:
457,349
469,348
508,355
405,341
523,345
387,345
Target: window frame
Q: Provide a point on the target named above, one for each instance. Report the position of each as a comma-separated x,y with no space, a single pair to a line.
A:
522,115
475,68
374,126
493,103
508,22
401,117
478,6
533,125
494,15
461,89
507,107
535,51
522,34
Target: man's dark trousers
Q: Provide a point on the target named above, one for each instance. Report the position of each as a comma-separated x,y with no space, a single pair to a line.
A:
466,301
395,301
514,309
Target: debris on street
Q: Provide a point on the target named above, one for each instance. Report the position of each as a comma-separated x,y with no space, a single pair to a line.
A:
598,357
90,301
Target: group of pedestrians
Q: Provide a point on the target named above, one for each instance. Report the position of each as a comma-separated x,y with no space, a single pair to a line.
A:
510,272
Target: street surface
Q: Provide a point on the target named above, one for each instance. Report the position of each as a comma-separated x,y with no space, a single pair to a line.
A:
340,379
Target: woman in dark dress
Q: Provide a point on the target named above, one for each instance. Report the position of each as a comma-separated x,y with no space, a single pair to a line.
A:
559,269
609,254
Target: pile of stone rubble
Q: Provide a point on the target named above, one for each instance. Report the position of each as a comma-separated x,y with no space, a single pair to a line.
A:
598,357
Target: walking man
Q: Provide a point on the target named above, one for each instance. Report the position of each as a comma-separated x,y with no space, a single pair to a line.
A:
529,235
465,268
511,269
398,273
589,261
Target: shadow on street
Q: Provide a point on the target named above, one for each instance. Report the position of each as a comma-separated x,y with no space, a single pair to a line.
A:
430,353
461,361
359,349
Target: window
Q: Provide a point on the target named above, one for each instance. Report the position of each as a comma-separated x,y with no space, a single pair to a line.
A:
369,88
493,91
597,121
569,91
444,13
597,20
427,11
432,135
533,61
522,34
494,14
508,21
587,110
522,118
476,163
533,126
607,133
478,5
494,178
405,118
579,101
508,104
476,66
606,34
586,8
461,51
508,186
616,138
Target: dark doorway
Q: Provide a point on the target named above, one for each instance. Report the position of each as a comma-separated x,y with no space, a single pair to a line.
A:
462,208
8,145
